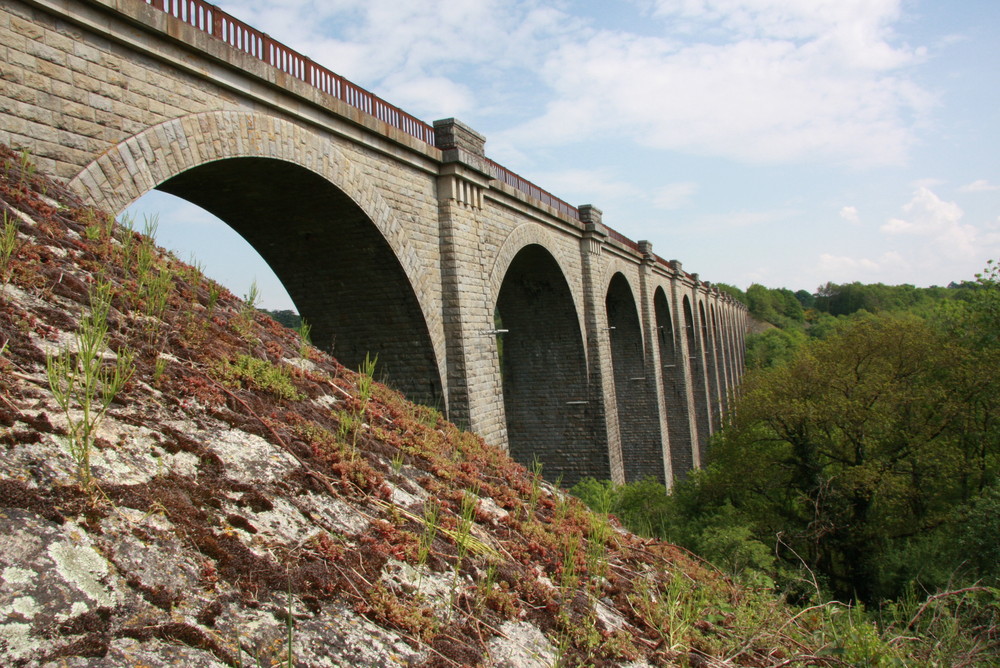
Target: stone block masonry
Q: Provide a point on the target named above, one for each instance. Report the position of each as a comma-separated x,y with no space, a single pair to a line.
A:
520,316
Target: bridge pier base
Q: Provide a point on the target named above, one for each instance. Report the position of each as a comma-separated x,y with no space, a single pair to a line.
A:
475,396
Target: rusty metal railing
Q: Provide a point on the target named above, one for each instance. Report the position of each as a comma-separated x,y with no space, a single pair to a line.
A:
217,23
501,173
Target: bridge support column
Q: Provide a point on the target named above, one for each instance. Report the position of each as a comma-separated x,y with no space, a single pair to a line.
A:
693,382
475,395
599,370
654,367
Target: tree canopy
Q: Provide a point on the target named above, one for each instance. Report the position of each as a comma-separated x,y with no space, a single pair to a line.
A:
864,453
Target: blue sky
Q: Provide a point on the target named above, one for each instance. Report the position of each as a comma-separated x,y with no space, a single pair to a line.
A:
785,142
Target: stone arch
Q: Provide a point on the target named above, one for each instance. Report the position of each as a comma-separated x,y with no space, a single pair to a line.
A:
164,152
525,235
635,392
722,353
547,405
618,267
675,392
699,381
711,364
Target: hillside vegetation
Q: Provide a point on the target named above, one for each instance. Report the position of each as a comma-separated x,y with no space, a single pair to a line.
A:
186,482
859,462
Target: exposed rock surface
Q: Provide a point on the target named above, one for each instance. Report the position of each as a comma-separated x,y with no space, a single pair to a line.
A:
245,513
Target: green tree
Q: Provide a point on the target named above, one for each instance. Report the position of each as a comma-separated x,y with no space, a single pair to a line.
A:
772,347
857,446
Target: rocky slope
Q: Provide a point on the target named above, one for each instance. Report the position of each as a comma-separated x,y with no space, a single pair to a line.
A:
245,500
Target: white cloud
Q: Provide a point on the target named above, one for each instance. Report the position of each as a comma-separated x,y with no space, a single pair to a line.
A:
981,185
442,97
850,214
817,84
674,195
938,223
856,29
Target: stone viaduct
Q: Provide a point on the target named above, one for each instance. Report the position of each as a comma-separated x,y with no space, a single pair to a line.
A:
523,318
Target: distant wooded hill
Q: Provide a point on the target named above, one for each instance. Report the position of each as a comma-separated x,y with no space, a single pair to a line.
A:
788,319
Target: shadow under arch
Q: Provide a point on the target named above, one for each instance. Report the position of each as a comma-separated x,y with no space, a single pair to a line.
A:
635,393
696,355
711,367
336,266
674,387
205,144
544,374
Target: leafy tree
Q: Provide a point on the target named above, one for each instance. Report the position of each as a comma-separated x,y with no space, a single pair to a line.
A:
772,347
862,443
732,291
776,306
289,319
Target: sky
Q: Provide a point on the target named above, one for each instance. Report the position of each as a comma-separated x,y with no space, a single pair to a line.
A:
782,142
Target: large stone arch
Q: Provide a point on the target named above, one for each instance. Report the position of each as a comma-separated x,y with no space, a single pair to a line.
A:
618,267
525,235
164,152
635,390
549,415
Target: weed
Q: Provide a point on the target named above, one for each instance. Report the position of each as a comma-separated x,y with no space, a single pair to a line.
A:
352,422
27,169
99,227
597,545
260,374
83,379
466,519
347,432
8,243
157,292
128,242
432,511
568,577
247,315
366,379
159,367
536,486
252,297
213,297
195,271
146,254
150,224
304,329
397,462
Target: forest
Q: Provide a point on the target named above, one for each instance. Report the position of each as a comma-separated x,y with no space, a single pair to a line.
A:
858,463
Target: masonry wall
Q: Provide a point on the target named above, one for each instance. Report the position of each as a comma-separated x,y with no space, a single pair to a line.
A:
387,244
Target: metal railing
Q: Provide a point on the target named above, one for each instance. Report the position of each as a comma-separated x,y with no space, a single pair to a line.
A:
501,173
217,23
210,19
